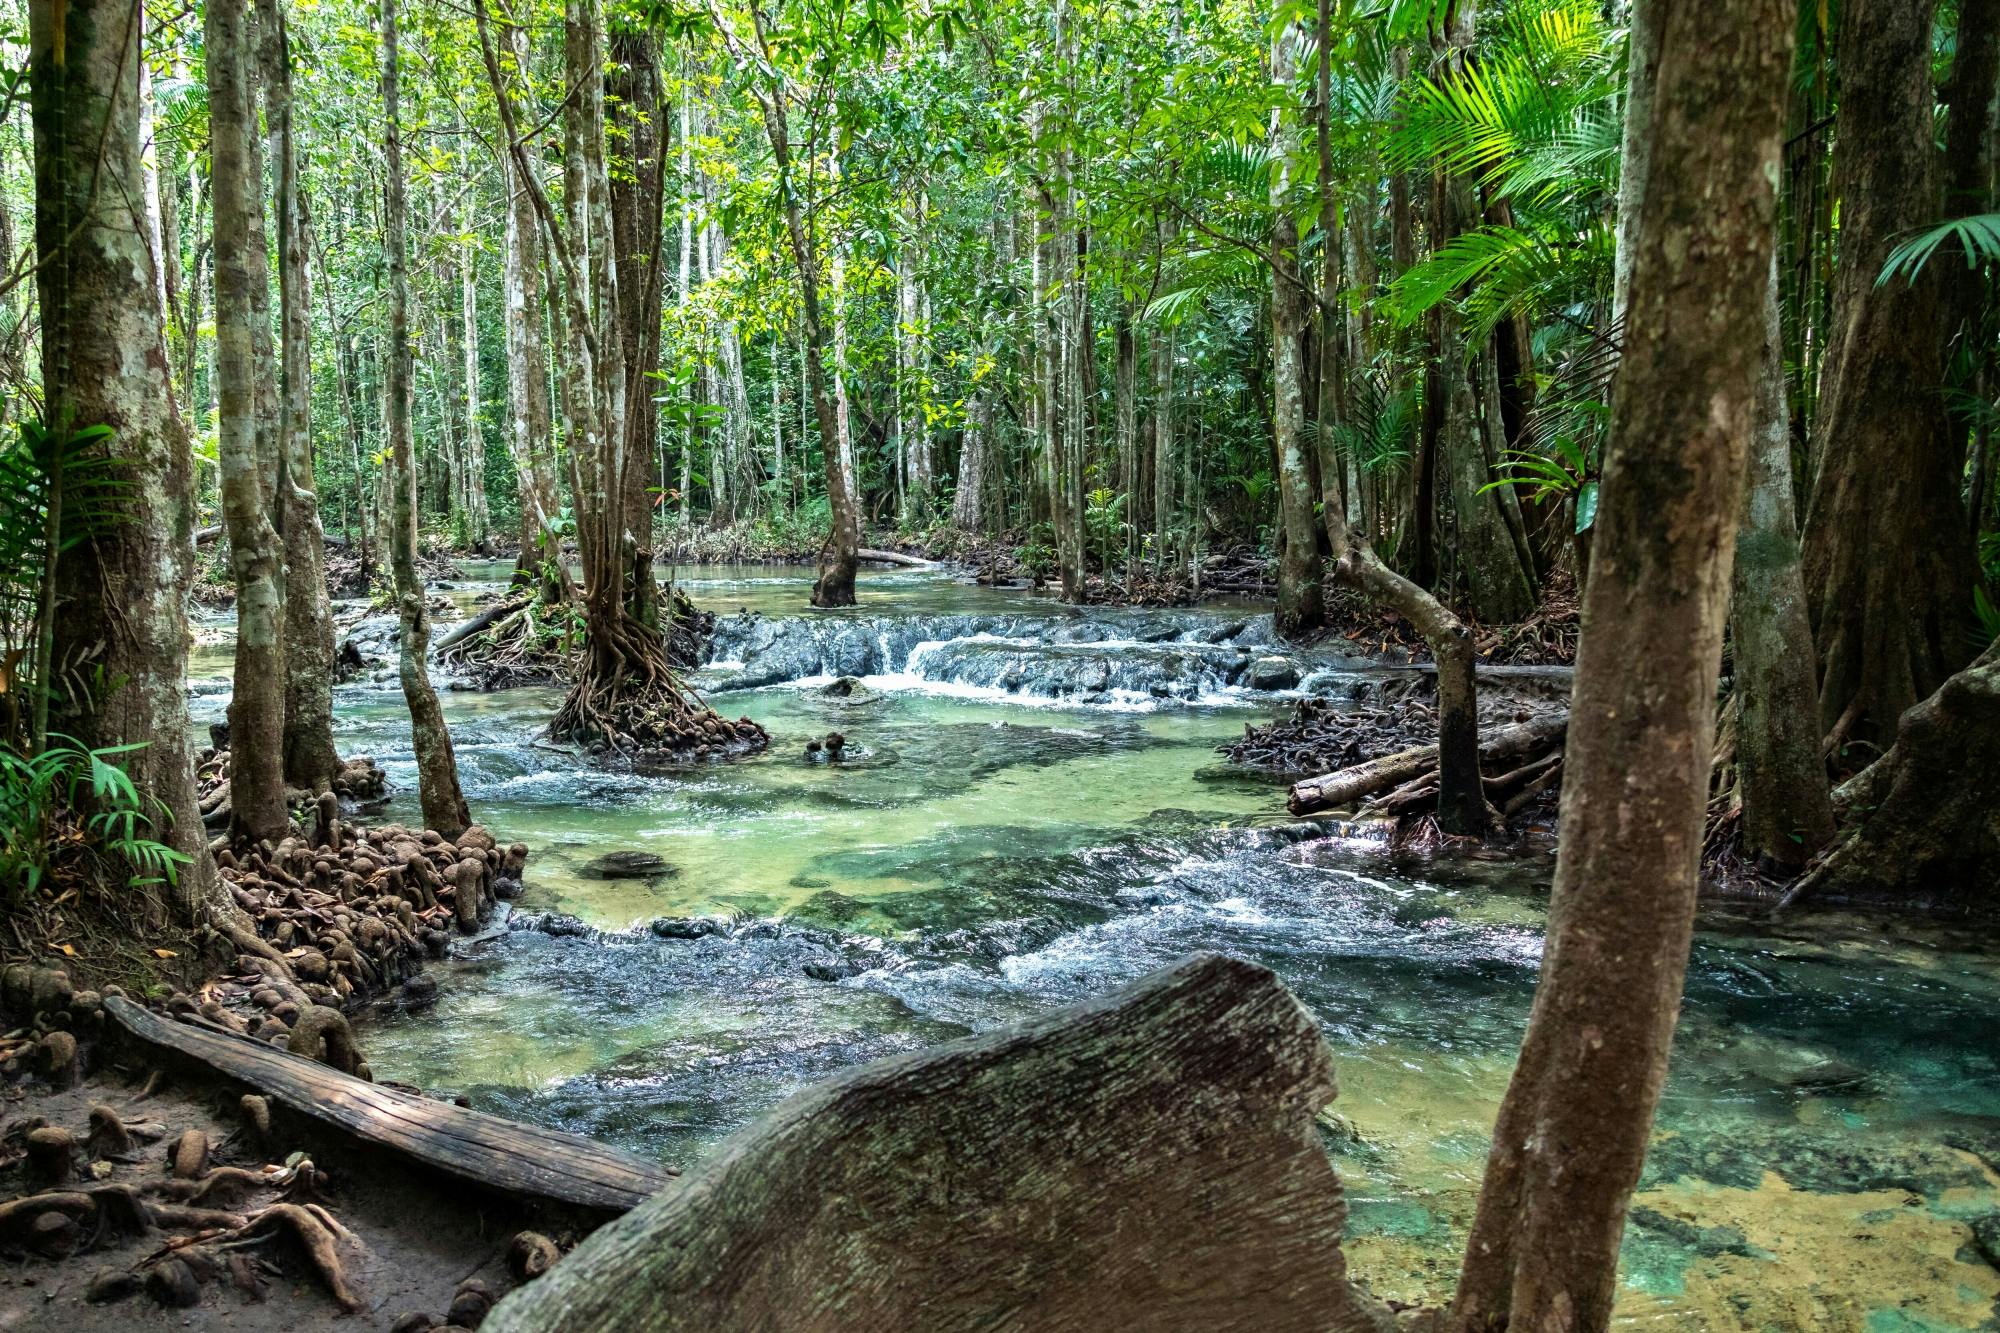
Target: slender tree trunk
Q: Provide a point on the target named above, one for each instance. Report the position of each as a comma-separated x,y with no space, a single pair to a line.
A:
638,202
310,760
1642,62
437,766
253,475
1300,609
838,561
478,521
1573,1127
1489,555
1787,812
978,454
903,445
530,430
685,292
1889,584
1164,442
104,362
1461,797
1125,399
777,424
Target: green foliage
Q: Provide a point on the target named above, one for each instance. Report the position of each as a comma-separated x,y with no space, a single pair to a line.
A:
75,479
1380,424
1976,237
1104,522
68,799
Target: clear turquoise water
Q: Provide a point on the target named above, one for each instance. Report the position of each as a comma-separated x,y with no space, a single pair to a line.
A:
1831,1125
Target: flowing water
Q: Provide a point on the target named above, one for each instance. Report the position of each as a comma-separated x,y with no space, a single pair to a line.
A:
1000,842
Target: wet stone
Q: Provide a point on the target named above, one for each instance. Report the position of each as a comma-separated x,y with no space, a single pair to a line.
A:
628,865
685,927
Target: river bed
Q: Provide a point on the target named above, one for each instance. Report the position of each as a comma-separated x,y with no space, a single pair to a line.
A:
1830,1130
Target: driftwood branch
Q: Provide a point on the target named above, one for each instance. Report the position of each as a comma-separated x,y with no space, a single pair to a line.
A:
1343,790
492,615
1144,1160
892,558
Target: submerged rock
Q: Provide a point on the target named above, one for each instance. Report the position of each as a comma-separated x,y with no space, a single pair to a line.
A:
685,927
628,865
850,691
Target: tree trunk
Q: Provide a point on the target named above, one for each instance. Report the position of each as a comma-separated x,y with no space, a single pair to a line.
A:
1923,830
253,475
1642,65
1573,1127
1301,609
437,766
1787,813
104,362
638,203
529,432
478,522
1968,150
1164,461
1888,582
834,584
310,760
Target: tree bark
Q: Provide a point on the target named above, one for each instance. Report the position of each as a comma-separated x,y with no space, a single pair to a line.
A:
1968,148
310,760
1300,610
1787,812
1923,829
477,518
1574,1124
253,474
1888,581
834,584
638,203
1488,555
529,432
104,362
437,766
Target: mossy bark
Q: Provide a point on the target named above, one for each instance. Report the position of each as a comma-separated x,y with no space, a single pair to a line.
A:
104,362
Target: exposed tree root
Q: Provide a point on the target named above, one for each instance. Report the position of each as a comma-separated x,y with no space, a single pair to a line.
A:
629,703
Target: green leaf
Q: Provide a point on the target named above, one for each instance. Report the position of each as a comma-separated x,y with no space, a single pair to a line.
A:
1586,506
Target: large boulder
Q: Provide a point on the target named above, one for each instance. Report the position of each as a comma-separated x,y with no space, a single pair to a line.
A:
1148,1159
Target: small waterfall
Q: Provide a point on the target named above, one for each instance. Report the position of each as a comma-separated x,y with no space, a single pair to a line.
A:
1118,657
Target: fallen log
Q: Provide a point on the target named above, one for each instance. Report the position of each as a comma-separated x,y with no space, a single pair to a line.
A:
1345,789
523,1160
1148,1159
492,615
892,558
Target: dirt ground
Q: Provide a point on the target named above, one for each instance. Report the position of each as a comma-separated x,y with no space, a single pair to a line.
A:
413,1236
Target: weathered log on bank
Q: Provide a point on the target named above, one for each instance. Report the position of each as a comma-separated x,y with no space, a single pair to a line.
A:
491,615
1343,790
893,558
1145,1159
523,1160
